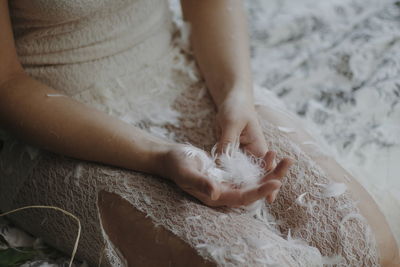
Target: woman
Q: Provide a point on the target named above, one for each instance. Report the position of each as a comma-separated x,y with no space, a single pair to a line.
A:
97,80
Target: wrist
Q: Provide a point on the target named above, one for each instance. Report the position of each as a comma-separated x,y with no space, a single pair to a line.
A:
237,99
157,157
239,92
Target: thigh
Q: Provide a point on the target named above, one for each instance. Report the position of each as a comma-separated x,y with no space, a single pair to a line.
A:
139,240
368,208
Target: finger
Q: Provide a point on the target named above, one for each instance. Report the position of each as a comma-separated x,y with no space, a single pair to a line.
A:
261,192
203,198
280,170
282,167
200,183
229,135
257,148
269,160
271,197
240,197
253,141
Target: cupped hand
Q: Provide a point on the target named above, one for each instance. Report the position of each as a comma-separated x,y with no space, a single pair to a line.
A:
238,123
186,173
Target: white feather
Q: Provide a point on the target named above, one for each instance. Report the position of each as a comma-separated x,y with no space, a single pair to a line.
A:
347,178
197,217
332,189
55,95
239,168
300,200
309,143
350,216
32,152
331,260
202,93
238,258
286,130
234,166
78,174
147,200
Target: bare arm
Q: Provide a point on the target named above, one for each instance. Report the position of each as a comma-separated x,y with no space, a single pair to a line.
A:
220,43
68,127
61,124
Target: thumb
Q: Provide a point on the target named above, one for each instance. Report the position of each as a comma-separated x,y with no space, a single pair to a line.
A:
205,185
230,134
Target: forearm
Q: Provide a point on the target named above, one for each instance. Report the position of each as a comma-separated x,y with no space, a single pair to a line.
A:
68,127
219,38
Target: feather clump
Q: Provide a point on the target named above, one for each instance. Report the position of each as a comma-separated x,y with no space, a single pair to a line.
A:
233,166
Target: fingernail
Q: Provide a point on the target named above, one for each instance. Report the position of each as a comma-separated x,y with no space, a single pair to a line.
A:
211,193
274,194
215,194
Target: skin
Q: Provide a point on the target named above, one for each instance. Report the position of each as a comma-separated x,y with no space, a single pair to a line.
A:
153,240
220,44
55,123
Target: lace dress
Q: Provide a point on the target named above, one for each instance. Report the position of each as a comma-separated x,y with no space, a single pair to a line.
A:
120,57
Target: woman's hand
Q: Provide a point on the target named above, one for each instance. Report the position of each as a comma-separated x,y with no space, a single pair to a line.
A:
185,172
237,122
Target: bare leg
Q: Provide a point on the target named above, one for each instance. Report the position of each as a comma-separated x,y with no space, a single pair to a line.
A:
388,249
139,240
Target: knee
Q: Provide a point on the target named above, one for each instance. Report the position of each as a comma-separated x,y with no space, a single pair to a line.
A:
392,258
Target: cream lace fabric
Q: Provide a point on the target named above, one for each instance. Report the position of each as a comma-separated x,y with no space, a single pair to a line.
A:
146,79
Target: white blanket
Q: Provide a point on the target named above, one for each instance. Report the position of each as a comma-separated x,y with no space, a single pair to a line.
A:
337,65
